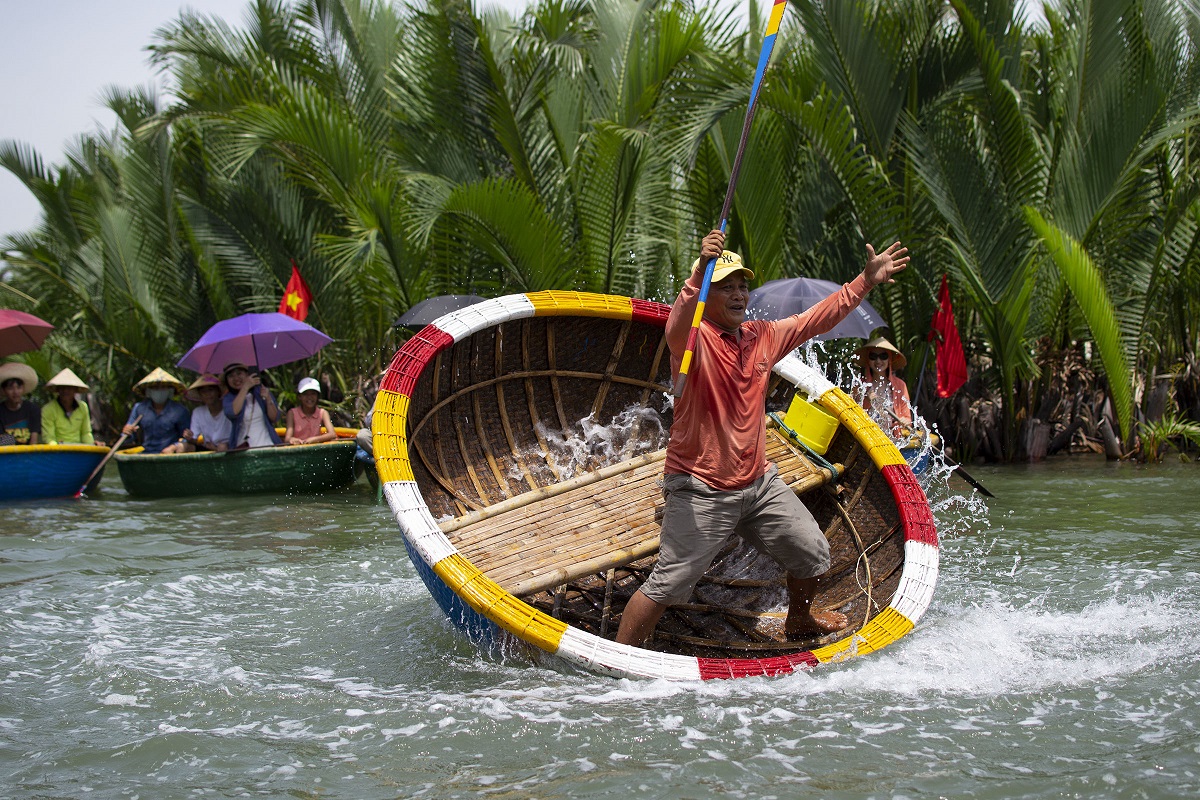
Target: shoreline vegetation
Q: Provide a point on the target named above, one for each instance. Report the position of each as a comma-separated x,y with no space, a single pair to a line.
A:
1047,165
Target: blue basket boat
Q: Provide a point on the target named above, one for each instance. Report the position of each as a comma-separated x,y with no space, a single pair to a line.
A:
33,472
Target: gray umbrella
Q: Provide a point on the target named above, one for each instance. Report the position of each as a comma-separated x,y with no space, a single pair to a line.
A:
431,308
786,296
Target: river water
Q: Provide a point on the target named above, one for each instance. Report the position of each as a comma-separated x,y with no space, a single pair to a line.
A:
239,647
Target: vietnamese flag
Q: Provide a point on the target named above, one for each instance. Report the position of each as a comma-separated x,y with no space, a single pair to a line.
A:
951,363
296,297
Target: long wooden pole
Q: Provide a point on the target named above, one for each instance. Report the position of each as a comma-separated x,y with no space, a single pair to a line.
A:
763,58
104,461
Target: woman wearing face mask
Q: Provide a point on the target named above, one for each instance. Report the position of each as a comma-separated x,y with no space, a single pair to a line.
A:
251,409
163,419
882,388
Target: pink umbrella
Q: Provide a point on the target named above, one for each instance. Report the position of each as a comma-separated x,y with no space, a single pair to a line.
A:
260,340
20,331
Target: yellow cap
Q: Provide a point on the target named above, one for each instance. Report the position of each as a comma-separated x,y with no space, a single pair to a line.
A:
727,264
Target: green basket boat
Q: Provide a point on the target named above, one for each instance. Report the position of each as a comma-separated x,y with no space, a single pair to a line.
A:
306,468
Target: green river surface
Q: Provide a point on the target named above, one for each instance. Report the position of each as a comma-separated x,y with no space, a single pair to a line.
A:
254,647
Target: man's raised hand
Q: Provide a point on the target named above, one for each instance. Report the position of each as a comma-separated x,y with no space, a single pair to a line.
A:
882,266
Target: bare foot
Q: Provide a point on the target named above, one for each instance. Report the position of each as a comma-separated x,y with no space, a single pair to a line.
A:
818,622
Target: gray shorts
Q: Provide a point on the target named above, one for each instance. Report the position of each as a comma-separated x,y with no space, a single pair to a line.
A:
698,520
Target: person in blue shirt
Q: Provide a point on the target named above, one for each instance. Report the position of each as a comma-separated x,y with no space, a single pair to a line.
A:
163,420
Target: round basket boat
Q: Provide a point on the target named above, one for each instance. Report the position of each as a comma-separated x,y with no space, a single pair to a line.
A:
304,469
40,471
521,445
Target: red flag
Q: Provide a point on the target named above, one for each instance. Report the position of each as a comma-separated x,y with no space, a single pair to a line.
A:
296,297
951,363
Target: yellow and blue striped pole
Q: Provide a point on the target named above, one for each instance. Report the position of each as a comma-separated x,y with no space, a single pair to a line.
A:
763,58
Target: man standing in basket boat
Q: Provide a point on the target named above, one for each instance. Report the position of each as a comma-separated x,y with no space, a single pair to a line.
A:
717,478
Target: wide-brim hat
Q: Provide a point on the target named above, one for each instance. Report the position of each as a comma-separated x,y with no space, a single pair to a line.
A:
207,379
22,372
727,264
159,375
880,343
67,379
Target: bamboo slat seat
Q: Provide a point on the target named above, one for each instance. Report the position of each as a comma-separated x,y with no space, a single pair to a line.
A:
597,521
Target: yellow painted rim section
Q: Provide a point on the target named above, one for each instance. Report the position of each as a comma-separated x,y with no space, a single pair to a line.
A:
886,627
18,449
490,599
391,444
554,303
883,451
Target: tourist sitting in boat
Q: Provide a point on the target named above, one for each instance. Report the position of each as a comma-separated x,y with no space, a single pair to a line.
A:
251,409
66,419
163,419
882,389
718,481
304,422
210,428
20,420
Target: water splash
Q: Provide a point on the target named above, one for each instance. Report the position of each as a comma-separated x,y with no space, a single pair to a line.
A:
957,512
633,432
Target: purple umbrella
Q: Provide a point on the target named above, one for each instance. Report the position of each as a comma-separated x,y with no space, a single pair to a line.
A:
260,340
786,296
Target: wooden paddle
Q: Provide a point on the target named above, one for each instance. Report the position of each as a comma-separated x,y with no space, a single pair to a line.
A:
763,57
104,461
966,476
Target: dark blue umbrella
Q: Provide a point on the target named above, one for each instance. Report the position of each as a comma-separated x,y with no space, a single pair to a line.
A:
787,296
431,308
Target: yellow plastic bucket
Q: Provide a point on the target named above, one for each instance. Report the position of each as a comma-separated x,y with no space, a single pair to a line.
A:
812,425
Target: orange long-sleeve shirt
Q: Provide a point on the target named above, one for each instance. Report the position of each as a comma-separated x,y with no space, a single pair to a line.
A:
719,433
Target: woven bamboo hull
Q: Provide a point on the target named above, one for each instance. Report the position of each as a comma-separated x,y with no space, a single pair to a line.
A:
33,472
279,470
519,530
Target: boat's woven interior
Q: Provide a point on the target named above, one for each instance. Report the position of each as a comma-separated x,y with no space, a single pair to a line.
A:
504,418
506,411
594,525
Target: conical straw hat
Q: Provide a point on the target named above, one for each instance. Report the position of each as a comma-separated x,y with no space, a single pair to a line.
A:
67,378
880,343
159,375
207,379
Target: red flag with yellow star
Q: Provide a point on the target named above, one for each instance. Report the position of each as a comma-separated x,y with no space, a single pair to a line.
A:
296,297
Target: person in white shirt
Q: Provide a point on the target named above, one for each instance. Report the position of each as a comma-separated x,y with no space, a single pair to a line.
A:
210,428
